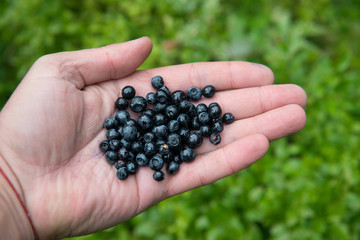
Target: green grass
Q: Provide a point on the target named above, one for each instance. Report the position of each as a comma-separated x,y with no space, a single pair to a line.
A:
308,185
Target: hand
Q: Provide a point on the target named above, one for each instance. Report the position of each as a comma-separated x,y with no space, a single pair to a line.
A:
53,123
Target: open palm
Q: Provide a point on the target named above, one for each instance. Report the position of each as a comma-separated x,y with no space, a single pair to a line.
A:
52,126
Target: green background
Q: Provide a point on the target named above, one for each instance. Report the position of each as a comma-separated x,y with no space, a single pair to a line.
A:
307,186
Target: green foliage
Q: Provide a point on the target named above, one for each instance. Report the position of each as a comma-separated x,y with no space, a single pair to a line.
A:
307,186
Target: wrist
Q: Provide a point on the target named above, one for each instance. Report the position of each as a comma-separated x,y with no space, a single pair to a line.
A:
15,221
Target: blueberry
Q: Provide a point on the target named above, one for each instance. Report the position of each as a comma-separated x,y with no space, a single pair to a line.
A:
171,112
161,96
214,110
159,142
204,118
111,122
172,167
157,82
120,164
228,118
184,133
131,156
164,88
173,126
215,138
121,103
128,92
123,153
187,155
129,132
149,112
122,116
201,108
194,139
137,147
115,144
111,156
195,123
131,122
149,137
156,163
104,146
159,175
160,131
138,104
177,96
112,134
184,106
164,149
160,107
125,143
174,141
159,119
150,149
142,159
145,122
183,119
132,167
194,93
217,127
168,157
208,91
151,98
205,130
122,173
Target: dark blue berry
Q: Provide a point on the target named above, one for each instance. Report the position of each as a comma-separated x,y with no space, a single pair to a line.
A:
214,110
194,139
205,130
164,88
126,143
115,144
201,108
195,123
156,163
121,103
120,164
104,146
112,134
177,96
131,122
157,82
187,155
183,119
137,147
122,116
128,92
149,137
131,156
164,149
145,122
149,112
184,133
228,118
215,138
123,153
111,122
161,96
138,104
174,141
204,118
168,157
159,119
150,149
171,112
151,98
172,167
129,132
194,93
132,167
160,131
173,126
160,107
122,173
208,91
217,127
142,159
159,175
184,106
111,156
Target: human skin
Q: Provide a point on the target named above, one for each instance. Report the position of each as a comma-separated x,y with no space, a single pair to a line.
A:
52,125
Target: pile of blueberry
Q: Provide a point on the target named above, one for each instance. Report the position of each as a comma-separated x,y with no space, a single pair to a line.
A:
165,134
